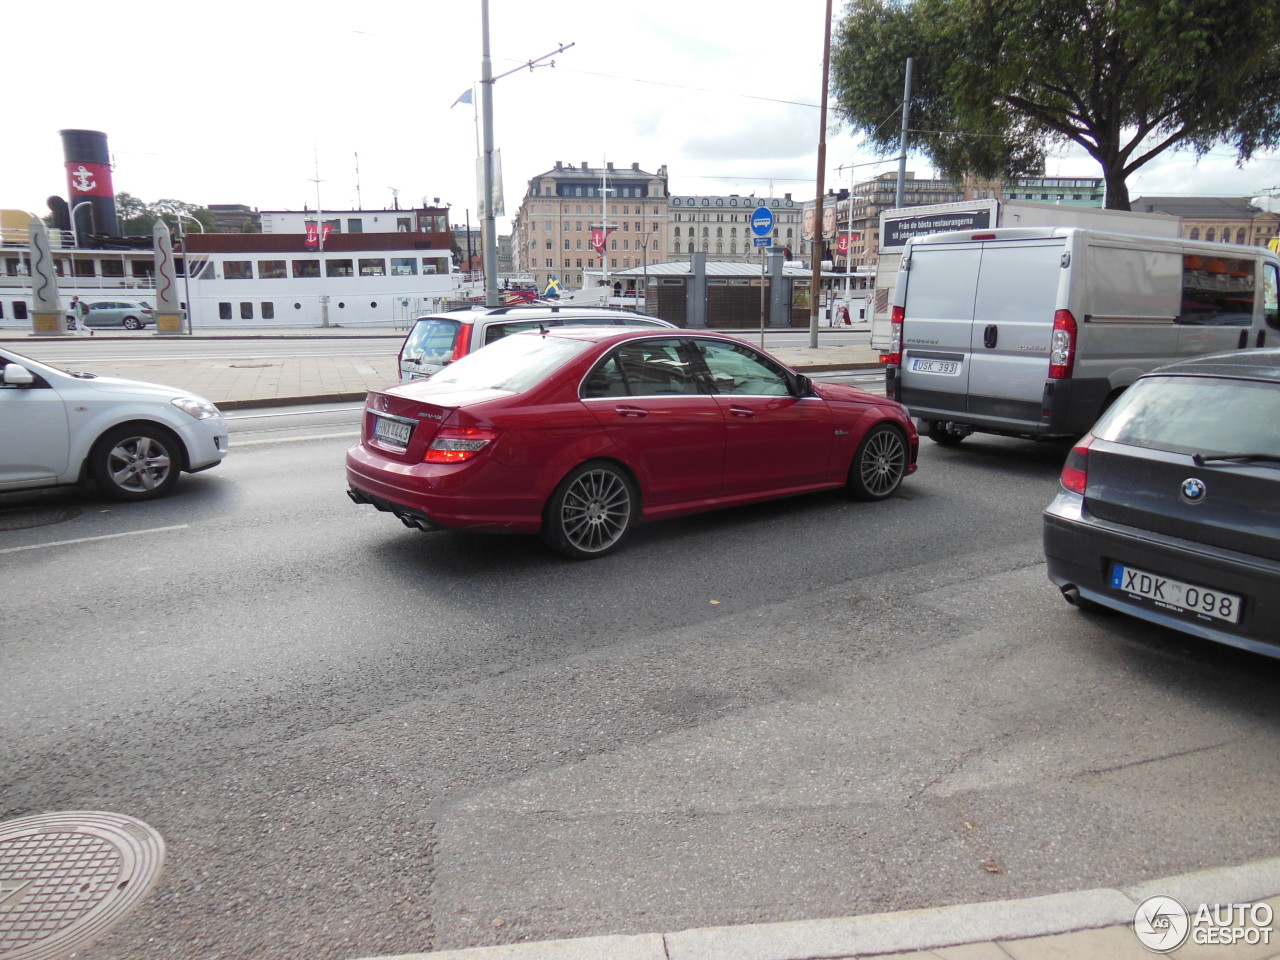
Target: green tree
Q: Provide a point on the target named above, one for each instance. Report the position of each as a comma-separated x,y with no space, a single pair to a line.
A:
998,82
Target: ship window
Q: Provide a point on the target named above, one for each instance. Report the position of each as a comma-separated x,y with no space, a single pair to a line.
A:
224,310
1,309
306,268
268,310
338,268
144,270
354,225
373,267
433,265
112,268
271,270
19,309
238,270
59,268
404,267
246,310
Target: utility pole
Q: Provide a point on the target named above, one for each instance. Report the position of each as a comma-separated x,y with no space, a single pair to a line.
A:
816,282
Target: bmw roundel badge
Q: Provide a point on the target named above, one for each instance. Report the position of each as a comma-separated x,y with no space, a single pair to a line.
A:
1193,490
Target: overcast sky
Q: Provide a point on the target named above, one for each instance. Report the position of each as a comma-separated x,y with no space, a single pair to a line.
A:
250,102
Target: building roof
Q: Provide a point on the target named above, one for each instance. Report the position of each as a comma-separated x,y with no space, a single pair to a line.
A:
1199,208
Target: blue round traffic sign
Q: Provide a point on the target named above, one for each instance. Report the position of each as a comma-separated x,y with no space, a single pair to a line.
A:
762,221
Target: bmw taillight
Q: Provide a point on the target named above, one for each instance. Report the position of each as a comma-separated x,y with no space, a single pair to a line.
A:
894,355
458,444
1062,346
1075,472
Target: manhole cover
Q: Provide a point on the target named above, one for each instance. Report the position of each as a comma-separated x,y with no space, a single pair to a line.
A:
23,518
66,878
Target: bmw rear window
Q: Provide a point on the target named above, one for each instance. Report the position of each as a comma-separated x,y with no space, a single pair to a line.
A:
432,340
1211,416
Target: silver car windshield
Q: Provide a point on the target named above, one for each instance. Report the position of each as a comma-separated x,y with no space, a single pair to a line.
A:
513,363
1205,416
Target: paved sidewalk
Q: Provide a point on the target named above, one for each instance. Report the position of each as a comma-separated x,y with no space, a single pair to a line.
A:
276,381
1085,925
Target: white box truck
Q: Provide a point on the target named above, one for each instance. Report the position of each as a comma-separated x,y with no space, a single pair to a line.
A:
1033,332
901,224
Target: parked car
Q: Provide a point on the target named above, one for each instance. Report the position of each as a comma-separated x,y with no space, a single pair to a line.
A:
131,438
129,314
1169,508
577,433
437,340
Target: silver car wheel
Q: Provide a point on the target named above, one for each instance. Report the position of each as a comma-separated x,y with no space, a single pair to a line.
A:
879,465
136,462
596,510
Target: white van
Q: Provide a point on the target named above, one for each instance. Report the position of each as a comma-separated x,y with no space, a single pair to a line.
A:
1034,332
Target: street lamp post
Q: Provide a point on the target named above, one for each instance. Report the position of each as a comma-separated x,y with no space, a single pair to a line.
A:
186,263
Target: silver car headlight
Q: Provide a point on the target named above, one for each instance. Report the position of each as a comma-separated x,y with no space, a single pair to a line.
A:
200,409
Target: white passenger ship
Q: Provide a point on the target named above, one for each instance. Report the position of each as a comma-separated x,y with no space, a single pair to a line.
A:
254,280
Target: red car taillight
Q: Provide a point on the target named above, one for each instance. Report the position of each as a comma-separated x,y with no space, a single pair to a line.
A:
1075,472
894,356
1062,346
458,444
462,342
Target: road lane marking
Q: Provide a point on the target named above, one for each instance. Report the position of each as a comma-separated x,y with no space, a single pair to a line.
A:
105,536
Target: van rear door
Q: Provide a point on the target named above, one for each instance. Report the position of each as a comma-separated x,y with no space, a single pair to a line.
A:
941,284
1017,295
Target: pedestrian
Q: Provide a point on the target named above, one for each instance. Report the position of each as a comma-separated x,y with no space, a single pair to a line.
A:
80,310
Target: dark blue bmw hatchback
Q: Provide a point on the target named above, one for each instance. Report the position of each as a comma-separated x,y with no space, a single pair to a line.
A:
1169,508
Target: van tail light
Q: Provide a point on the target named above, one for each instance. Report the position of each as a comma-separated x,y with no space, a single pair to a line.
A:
462,342
1062,346
1075,472
894,356
458,444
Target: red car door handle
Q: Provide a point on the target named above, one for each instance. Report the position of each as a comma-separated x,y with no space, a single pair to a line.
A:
631,411
742,411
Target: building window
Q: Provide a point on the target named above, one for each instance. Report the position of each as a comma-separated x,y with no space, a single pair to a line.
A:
302,268
272,270
1195,233
238,270
373,267
1210,234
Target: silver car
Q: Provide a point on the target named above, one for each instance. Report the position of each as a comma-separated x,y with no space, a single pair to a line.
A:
437,340
130,314
1169,508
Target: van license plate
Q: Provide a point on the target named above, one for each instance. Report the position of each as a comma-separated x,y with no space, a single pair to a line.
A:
947,368
1186,599
393,431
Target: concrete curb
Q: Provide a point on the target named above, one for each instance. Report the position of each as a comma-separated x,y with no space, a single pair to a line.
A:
905,931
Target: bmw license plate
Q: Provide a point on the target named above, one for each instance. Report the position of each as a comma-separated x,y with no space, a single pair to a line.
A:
1187,599
393,431
947,368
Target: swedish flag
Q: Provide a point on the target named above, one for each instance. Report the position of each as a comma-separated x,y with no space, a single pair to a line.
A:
553,287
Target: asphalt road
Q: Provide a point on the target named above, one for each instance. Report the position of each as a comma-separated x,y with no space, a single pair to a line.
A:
357,739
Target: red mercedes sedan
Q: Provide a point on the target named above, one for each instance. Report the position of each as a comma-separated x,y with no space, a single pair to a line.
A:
578,433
